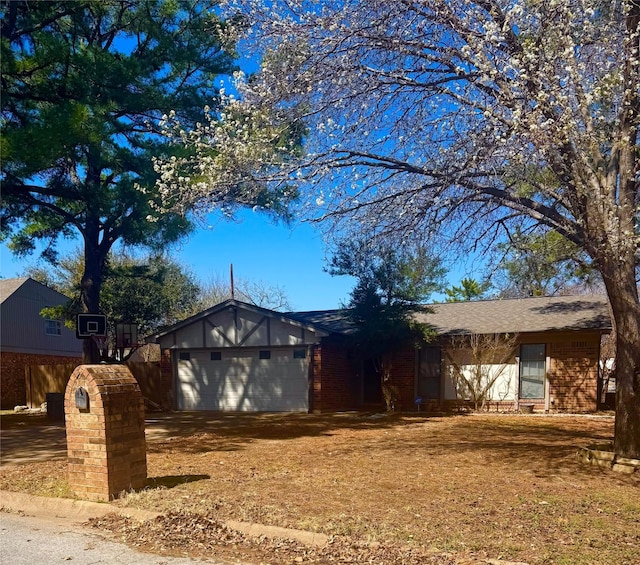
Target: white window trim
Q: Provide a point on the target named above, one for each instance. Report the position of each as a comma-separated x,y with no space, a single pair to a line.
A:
57,329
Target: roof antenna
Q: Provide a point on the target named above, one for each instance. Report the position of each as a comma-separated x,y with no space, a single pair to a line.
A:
233,292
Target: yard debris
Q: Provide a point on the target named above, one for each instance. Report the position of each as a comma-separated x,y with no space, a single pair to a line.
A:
204,535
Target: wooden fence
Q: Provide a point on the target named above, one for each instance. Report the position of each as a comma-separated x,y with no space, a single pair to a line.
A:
41,379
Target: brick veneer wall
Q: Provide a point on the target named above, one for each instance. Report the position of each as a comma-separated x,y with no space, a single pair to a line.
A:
334,378
12,370
337,385
105,444
573,374
403,375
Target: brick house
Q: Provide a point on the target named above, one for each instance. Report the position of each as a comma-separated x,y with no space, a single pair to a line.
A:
26,338
237,356
554,361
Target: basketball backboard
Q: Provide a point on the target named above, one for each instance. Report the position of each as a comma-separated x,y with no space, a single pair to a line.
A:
91,325
126,335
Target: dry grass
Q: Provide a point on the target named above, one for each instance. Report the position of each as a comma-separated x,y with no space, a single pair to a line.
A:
479,485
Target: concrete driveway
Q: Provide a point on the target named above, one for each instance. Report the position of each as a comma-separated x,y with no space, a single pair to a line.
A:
29,440
26,438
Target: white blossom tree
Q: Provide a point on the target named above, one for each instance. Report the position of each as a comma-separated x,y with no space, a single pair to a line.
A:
461,119
477,362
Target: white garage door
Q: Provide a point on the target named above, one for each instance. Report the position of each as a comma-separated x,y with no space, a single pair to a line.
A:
271,380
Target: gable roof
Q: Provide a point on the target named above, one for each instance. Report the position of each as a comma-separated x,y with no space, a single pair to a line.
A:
26,286
232,303
520,315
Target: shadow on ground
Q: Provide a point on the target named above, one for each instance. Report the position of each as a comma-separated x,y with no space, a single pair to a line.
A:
171,481
535,442
229,431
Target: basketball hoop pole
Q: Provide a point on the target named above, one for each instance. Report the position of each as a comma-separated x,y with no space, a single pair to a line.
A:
101,343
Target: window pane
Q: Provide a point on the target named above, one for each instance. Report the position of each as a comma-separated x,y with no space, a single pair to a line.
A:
264,354
53,327
532,370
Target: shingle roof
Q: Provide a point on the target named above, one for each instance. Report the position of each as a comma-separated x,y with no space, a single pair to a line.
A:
519,315
538,314
9,286
336,321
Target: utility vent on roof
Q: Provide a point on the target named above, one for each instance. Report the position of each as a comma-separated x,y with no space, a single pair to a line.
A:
580,344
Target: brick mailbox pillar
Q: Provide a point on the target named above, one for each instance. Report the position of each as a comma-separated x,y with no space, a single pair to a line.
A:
104,415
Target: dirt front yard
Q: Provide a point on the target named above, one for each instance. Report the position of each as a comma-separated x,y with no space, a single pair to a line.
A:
389,489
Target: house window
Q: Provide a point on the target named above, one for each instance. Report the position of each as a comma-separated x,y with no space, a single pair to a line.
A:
184,356
429,373
532,370
53,327
216,356
265,354
299,353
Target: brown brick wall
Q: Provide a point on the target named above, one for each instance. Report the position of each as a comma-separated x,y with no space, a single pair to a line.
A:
334,379
337,384
403,368
13,390
105,444
573,375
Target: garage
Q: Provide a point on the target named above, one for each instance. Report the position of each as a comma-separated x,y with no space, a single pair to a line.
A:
240,357
273,379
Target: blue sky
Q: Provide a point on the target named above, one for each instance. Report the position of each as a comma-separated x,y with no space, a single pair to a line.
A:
290,257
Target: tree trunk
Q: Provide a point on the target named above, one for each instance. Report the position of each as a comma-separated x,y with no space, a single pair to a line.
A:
94,262
625,309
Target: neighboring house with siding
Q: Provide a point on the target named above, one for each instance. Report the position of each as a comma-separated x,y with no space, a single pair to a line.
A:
26,338
237,356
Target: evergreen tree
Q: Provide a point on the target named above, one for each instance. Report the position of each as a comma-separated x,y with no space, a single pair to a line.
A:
469,289
392,284
542,264
85,85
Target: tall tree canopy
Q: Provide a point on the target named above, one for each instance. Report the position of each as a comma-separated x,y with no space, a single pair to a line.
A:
465,119
84,87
